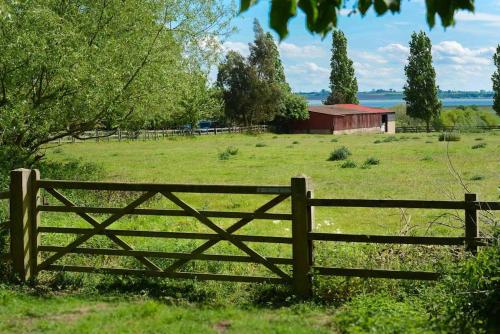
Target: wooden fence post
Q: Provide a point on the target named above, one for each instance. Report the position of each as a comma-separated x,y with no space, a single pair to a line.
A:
301,247
471,226
24,196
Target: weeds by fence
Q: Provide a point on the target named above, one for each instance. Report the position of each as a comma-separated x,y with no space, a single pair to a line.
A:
416,129
137,135
26,248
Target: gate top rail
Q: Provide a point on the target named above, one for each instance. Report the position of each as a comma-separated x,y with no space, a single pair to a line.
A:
187,188
409,204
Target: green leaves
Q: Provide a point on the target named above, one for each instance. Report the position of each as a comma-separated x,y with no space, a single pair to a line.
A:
321,15
281,12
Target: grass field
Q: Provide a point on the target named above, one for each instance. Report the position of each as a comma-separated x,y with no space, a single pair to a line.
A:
415,166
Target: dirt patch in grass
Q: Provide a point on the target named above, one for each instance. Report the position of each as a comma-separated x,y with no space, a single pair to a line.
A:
222,327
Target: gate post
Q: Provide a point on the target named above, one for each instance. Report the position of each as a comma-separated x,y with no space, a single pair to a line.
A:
24,196
301,246
471,226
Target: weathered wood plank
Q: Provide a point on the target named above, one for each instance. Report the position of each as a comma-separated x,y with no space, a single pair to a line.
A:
148,263
168,255
161,234
376,273
301,247
166,212
488,206
153,273
387,203
153,187
386,239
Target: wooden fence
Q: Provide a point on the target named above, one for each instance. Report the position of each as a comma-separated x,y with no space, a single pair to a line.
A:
407,129
137,135
26,249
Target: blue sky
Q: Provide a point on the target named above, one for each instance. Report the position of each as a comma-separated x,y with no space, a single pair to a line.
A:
379,47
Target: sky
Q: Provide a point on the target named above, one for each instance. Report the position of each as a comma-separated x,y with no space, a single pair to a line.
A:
378,46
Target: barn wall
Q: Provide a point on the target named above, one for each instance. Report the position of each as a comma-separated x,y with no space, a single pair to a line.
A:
357,121
317,123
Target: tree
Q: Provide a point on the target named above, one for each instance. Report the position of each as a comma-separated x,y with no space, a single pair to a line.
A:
255,89
343,83
70,66
420,91
233,80
496,81
321,15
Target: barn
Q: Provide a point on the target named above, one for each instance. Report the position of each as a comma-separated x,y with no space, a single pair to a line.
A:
346,118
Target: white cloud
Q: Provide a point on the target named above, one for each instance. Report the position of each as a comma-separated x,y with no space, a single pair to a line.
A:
491,19
236,46
452,52
291,50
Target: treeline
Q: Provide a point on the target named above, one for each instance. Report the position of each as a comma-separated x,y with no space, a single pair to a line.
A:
255,90
67,67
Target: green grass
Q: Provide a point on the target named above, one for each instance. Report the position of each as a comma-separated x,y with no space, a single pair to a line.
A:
410,170
27,313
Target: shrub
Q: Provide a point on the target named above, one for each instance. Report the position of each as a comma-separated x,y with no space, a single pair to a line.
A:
260,145
349,164
228,152
381,314
339,154
390,139
468,298
481,145
232,150
224,155
372,161
449,136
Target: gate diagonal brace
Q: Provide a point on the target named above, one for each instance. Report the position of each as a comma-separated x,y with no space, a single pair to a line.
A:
226,235
99,228
91,220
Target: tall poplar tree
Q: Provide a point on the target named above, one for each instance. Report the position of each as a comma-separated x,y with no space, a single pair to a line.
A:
420,91
496,82
343,83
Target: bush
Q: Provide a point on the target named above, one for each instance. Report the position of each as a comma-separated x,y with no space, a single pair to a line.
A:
228,152
449,136
467,300
481,145
372,161
381,314
390,139
340,154
349,164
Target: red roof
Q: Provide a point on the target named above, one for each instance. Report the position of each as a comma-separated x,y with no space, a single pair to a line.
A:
347,109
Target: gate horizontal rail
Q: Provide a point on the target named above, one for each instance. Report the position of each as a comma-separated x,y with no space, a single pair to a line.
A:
163,234
176,188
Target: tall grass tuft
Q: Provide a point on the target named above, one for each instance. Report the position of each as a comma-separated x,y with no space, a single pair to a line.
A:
341,153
